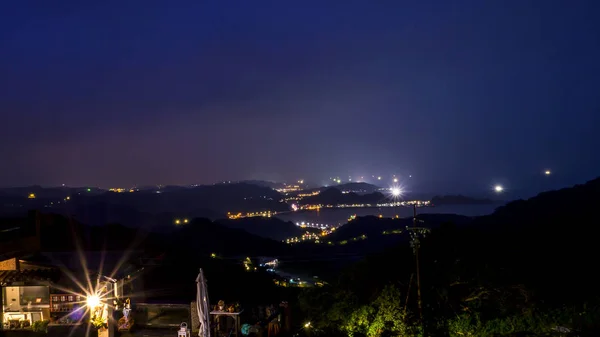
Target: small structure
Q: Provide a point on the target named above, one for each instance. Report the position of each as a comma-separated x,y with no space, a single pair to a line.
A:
183,330
218,315
25,293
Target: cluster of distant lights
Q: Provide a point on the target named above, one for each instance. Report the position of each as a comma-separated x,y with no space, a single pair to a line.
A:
499,188
313,225
361,179
396,191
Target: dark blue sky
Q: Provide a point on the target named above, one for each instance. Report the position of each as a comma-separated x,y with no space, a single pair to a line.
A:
460,94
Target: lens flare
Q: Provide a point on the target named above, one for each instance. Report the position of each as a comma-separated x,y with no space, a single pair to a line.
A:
93,301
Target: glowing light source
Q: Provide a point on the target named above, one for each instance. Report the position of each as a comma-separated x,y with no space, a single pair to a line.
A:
498,188
547,172
378,178
396,191
395,180
307,325
31,196
93,301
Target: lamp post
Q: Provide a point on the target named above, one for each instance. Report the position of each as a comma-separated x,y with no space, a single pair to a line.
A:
416,233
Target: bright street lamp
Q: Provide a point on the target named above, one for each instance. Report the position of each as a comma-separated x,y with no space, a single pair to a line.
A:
93,301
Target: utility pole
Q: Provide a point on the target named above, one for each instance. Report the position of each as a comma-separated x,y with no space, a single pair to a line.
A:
416,233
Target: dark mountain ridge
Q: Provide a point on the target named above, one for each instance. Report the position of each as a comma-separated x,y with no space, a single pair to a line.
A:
134,208
198,236
271,228
458,199
333,196
350,187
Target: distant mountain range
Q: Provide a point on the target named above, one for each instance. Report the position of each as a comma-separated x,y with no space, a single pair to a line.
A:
271,228
373,227
144,207
459,200
335,196
547,214
57,234
359,188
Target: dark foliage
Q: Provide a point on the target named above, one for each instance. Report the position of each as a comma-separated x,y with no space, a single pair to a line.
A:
526,268
271,228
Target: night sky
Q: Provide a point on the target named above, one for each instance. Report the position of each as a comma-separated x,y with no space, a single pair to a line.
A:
459,94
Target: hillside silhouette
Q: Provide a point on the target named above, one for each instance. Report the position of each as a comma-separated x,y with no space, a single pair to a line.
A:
439,200
349,187
374,227
272,228
143,208
58,233
526,268
334,196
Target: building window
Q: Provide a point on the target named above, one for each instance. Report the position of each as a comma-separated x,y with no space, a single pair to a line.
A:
35,295
23,297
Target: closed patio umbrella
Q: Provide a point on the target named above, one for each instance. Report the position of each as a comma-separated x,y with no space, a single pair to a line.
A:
202,305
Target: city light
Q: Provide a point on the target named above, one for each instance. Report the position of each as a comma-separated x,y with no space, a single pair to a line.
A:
498,188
